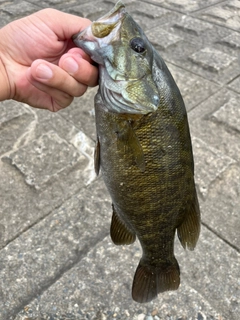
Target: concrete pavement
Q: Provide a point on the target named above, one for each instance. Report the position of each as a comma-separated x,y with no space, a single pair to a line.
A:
56,258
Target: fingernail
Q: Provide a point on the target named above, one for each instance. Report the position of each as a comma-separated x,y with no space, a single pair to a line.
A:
44,72
70,65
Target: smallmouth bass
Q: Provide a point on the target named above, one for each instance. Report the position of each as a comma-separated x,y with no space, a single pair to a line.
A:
143,149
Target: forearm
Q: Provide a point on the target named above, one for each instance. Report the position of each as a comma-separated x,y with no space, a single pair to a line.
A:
5,91
4,82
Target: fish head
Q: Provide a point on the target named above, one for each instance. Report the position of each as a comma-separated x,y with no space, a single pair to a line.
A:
125,57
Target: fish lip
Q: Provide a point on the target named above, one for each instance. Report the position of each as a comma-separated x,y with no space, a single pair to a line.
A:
114,17
118,9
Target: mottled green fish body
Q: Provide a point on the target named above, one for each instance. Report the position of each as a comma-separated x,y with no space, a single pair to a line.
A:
143,150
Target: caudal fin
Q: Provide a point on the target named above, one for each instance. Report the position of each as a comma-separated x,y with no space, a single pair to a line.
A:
149,281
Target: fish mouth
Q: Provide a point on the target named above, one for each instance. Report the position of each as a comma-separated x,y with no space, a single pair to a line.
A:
103,26
103,31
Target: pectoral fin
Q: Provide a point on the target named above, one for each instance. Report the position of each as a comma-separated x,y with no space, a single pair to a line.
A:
137,150
128,137
188,232
119,232
97,157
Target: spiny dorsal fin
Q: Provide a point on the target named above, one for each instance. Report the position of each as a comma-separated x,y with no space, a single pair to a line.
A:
119,232
188,232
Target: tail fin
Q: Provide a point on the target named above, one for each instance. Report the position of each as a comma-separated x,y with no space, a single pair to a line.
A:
150,280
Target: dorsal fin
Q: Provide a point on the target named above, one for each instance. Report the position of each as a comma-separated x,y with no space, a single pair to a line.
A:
188,232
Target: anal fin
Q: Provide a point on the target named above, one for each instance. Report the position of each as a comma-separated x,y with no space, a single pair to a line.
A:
188,232
119,232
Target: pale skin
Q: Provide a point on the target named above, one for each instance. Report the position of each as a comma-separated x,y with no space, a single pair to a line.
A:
39,63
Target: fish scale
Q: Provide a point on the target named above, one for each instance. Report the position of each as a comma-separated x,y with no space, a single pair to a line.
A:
143,150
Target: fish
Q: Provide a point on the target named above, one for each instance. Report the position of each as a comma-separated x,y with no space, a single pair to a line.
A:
143,149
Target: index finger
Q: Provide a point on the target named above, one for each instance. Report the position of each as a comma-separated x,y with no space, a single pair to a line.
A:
64,25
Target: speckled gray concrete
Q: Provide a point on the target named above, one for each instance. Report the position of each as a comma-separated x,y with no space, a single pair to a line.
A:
56,258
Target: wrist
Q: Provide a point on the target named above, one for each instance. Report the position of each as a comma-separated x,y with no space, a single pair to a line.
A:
4,82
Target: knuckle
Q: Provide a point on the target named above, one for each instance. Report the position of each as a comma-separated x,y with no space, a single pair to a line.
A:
80,90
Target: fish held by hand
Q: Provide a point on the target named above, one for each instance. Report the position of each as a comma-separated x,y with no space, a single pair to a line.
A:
143,149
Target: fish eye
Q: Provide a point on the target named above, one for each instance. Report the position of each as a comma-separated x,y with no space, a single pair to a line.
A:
138,45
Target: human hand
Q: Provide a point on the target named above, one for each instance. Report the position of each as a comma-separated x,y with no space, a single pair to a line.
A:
40,64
